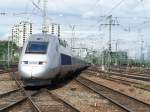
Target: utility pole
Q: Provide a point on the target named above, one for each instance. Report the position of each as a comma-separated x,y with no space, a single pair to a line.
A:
142,54
73,35
116,58
141,49
45,27
117,42
110,24
8,54
103,59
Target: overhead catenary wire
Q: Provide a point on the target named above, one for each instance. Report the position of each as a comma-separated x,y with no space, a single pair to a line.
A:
118,4
97,1
111,10
94,5
102,18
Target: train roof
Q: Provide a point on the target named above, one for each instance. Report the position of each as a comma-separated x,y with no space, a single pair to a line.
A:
41,37
46,37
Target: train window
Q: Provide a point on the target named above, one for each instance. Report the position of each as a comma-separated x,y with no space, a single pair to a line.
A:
37,47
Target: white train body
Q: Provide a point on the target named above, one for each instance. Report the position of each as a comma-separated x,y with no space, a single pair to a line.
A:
46,57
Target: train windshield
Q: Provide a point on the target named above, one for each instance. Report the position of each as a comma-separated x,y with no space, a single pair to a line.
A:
37,47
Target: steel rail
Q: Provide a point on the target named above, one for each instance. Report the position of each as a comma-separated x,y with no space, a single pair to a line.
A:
140,74
147,79
8,107
137,85
126,82
131,76
7,71
28,97
67,103
9,92
102,90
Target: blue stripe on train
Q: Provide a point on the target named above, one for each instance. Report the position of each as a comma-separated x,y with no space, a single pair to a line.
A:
65,59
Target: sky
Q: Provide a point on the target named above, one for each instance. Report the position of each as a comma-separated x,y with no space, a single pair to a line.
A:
133,17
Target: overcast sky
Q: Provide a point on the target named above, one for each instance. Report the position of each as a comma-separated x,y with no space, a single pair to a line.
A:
87,16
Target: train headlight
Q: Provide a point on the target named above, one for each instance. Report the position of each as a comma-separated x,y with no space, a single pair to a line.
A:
24,62
42,62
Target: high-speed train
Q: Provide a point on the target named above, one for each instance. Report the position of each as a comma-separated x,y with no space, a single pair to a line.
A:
46,57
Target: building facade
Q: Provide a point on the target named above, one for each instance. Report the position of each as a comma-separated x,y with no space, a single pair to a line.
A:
20,32
54,29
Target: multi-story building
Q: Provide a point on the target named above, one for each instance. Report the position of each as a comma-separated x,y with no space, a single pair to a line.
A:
21,32
54,29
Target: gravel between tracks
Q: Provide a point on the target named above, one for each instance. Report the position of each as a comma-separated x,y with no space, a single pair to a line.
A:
7,86
6,83
129,90
84,99
46,103
5,77
23,107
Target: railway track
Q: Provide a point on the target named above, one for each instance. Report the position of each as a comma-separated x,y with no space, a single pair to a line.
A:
65,102
53,102
131,83
50,103
13,98
7,71
140,74
142,78
126,102
3,71
123,81
136,73
28,100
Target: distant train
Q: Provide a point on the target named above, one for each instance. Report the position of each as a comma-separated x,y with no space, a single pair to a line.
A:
46,57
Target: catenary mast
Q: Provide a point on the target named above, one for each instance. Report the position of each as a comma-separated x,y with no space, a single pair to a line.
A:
44,26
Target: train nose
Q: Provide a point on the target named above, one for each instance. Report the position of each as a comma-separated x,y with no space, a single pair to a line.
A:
29,72
38,72
25,72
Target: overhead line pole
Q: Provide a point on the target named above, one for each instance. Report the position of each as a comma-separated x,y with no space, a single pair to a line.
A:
44,29
110,24
142,54
73,35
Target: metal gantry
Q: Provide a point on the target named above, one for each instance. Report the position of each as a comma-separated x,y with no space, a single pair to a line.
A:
110,24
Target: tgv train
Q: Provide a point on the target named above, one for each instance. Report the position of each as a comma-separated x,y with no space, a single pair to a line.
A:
46,57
